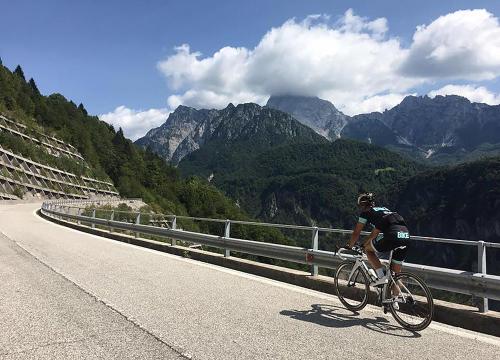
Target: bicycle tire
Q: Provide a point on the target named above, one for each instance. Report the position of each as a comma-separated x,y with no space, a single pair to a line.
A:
360,290
414,305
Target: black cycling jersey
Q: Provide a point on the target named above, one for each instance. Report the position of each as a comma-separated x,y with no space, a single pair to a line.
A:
394,231
383,219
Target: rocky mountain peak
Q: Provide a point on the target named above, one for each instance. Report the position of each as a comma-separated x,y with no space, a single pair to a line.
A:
443,126
320,115
412,101
187,129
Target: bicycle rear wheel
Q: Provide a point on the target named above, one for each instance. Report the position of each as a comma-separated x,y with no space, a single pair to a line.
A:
351,287
415,306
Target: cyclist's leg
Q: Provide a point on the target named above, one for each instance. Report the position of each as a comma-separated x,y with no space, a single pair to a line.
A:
377,245
372,256
396,267
400,249
398,256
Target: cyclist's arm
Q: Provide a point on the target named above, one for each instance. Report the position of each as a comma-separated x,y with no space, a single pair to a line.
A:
355,234
372,235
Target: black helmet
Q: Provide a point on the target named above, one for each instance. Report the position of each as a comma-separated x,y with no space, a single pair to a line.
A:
366,199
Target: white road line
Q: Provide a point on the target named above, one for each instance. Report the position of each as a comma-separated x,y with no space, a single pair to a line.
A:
370,308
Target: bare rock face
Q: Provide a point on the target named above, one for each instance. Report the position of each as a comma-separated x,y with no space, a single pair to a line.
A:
320,115
166,139
187,130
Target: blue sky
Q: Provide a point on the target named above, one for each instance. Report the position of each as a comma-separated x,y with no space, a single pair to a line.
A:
106,54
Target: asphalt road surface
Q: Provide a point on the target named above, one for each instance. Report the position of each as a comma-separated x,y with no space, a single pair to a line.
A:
69,295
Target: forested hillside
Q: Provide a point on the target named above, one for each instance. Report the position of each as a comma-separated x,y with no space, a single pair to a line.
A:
134,171
459,202
306,183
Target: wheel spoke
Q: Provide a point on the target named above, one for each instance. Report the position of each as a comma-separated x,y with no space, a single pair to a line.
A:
415,312
352,286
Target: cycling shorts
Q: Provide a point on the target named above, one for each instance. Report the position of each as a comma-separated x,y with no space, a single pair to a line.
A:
397,239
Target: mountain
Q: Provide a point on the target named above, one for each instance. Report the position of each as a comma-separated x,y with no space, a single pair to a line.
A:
444,129
371,129
441,130
318,114
253,156
181,127
460,202
188,129
304,183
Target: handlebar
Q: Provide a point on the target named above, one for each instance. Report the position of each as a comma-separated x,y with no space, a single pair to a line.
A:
357,250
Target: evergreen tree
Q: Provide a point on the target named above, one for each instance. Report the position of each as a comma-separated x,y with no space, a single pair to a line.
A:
82,109
19,72
1,63
34,87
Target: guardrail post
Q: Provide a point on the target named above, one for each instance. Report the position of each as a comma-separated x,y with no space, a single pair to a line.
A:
78,212
93,217
314,268
227,234
481,268
174,227
112,217
137,222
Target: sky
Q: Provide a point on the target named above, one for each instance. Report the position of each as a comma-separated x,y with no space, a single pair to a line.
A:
134,62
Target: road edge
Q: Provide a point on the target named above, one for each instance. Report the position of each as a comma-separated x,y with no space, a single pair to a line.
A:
461,316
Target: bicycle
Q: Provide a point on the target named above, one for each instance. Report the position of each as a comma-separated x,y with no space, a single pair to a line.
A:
405,295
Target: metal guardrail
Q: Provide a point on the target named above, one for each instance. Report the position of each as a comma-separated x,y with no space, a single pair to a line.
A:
478,284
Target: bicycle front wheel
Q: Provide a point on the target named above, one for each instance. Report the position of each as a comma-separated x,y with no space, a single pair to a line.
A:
351,286
412,305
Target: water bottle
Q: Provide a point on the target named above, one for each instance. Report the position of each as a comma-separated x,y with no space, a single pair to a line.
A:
373,274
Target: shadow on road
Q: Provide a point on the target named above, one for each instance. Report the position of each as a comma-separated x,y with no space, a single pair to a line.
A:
338,317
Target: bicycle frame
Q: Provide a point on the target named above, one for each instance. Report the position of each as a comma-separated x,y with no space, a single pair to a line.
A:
360,263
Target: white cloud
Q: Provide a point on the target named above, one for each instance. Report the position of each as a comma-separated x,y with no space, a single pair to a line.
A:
352,62
135,123
356,24
461,45
212,99
478,94
348,61
375,103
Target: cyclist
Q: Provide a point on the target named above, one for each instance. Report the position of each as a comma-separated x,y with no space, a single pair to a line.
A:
390,232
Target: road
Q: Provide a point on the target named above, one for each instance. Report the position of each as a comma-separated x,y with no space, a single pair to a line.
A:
65,294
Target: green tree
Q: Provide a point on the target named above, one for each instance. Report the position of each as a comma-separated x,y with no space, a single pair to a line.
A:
19,72
82,109
33,87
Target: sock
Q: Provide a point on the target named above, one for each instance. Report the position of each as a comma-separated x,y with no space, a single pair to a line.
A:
380,272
